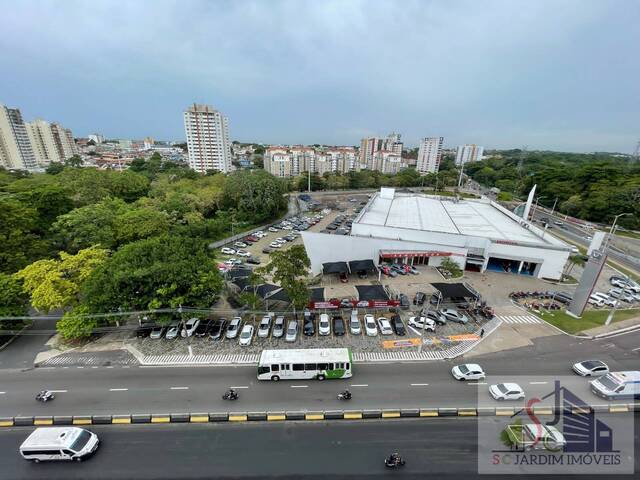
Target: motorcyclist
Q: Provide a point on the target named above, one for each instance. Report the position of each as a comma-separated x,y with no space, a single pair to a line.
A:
345,395
394,459
231,393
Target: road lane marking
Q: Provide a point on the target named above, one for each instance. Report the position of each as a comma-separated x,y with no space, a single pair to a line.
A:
242,386
419,384
58,391
179,388
2,393
538,383
360,385
118,389
299,386
476,383
95,367
635,349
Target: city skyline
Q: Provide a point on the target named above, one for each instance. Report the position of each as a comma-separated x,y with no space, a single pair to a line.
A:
549,87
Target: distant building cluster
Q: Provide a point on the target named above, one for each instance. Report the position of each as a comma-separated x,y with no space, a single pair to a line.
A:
32,145
289,161
468,153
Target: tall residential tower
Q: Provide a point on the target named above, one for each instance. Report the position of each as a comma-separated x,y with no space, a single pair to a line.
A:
15,148
207,132
429,155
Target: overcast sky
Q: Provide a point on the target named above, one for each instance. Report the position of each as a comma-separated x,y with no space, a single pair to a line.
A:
559,74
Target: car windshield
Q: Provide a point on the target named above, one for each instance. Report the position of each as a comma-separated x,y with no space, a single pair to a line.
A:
591,364
502,388
81,441
245,334
291,330
463,369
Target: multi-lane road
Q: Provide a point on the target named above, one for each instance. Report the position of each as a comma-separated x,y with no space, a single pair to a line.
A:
119,390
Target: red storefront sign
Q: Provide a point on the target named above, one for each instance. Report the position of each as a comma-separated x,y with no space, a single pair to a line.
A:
384,254
334,304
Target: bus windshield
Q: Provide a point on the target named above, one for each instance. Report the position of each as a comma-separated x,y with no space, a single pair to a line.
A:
81,441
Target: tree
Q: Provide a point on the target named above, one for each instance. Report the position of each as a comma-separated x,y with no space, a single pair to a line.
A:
13,301
139,223
76,324
160,272
452,267
55,284
19,244
574,260
289,269
255,194
74,161
54,168
259,150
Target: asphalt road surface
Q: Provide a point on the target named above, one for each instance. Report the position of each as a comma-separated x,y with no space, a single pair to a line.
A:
83,391
434,448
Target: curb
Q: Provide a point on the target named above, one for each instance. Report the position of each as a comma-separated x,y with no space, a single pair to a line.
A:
308,416
16,335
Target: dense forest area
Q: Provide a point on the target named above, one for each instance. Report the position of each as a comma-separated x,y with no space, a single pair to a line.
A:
83,240
594,187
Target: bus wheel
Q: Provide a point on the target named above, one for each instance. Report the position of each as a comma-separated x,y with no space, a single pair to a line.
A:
320,377
275,378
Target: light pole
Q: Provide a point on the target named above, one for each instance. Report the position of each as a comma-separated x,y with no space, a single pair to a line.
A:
626,277
424,324
554,206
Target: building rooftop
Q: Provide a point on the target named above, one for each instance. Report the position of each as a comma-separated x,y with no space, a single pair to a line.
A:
477,218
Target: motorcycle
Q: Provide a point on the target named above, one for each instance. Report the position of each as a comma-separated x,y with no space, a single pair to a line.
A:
230,395
346,395
44,396
394,461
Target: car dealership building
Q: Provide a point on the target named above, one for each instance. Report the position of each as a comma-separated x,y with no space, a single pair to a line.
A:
420,229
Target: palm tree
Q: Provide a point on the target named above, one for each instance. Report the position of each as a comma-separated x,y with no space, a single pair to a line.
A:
574,260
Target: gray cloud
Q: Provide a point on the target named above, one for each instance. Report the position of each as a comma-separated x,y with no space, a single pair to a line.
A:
547,74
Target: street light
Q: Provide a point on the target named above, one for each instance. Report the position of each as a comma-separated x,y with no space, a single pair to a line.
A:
626,277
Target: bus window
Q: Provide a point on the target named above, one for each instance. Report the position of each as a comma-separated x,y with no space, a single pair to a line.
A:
322,366
263,370
309,366
347,365
298,367
275,368
285,367
331,366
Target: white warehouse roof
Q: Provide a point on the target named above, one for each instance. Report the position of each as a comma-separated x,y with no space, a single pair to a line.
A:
478,218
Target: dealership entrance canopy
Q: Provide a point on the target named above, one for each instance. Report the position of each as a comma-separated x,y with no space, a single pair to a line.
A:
362,266
454,290
418,229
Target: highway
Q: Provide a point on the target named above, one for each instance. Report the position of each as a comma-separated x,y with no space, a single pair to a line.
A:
83,391
433,448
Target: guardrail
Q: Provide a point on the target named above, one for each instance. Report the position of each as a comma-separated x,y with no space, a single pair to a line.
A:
306,415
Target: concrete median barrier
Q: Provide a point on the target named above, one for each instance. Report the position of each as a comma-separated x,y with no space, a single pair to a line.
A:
84,420
372,414
141,418
504,411
276,416
295,415
161,418
619,408
429,412
121,419
314,416
486,411
334,415
101,419
634,407
23,421
447,412
238,417
580,410
63,420
257,416
600,408
467,412
389,413
543,410
410,412
219,417
180,417
6,421
352,415
43,421
199,418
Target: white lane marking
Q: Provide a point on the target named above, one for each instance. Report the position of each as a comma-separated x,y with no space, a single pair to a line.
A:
118,389
419,384
2,393
58,391
242,386
111,366
360,385
95,367
538,383
79,367
476,383
126,366
179,388
299,386
635,349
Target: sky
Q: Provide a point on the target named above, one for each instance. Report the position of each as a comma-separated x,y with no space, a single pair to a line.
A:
545,74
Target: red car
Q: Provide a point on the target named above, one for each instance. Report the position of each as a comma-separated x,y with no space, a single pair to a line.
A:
251,239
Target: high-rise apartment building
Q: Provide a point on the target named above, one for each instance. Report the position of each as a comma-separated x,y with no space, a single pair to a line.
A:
369,146
429,155
468,153
295,160
207,132
15,148
51,142
386,161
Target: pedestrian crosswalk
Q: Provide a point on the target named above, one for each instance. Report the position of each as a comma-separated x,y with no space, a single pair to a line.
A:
521,319
220,359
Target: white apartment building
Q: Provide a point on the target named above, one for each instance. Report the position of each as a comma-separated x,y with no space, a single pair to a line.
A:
386,161
369,146
468,153
207,132
429,155
278,162
291,161
51,142
16,151
97,138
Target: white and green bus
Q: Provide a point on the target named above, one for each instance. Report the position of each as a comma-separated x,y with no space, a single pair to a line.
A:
305,363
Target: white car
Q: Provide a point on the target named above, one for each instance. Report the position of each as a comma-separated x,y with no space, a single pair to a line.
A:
385,326
265,325
246,335
606,299
423,322
280,240
233,261
292,331
589,368
243,253
324,327
240,245
259,234
468,371
275,245
287,227
370,327
273,229
595,301
173,330
454,315
506,391
190,327
354,323
233,328
228,251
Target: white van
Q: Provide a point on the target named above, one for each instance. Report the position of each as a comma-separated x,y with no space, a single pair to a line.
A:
617,385
59,443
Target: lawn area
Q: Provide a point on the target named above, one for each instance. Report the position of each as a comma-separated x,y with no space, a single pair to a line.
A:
590,319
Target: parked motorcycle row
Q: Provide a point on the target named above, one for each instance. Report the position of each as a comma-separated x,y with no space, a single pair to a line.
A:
530,299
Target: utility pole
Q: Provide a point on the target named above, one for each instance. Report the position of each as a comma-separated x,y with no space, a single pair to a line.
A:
554,205
626,277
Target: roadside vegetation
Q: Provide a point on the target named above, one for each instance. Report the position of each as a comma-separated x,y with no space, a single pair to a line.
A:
590,319
86,241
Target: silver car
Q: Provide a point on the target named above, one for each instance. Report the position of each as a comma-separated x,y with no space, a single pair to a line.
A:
454,315
354,323
234,327
292,331
278,327
173,330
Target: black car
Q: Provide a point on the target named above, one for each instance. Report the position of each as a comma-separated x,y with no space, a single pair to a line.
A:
267,250
419,298
253,260
338,327
203,328
144,331
332,226
404,302
435,299
309,328
217,329
397,325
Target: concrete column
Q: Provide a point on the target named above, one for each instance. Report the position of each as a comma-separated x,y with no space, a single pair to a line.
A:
520,266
